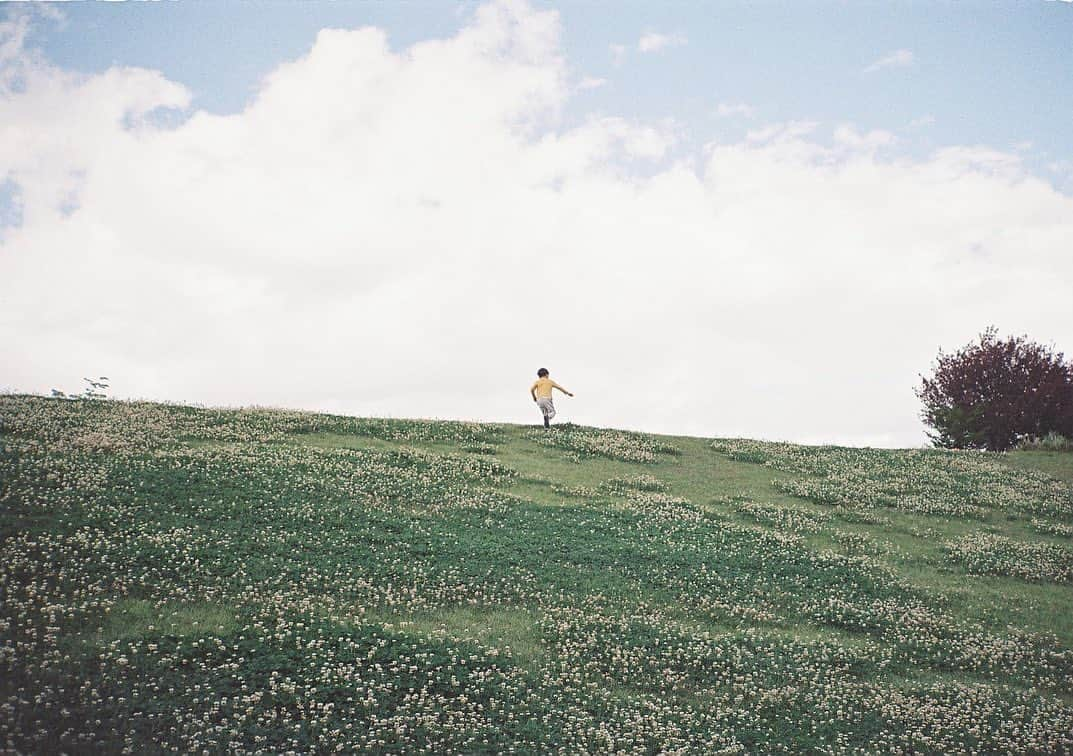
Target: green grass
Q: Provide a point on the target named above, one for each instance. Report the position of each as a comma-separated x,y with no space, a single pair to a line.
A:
1056,463
177,578
511,629
138,618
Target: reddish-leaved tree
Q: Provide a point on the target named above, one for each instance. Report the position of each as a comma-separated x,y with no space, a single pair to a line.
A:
991,394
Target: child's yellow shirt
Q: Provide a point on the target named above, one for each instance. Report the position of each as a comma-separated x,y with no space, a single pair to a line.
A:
543,387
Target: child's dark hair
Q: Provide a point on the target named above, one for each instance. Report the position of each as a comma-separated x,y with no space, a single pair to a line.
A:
542,373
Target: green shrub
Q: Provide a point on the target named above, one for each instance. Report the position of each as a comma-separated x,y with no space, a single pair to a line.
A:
1050,442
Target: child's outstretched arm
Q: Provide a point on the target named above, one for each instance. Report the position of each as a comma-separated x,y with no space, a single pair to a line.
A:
556,385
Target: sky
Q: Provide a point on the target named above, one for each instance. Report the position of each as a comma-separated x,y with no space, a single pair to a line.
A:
733,219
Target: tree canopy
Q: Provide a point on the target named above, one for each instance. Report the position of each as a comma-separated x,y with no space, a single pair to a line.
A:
992,393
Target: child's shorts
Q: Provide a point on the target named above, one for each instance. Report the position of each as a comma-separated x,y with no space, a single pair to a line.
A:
546,407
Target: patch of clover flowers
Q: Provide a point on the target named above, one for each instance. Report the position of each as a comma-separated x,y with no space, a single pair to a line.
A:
1052,528
786,519
590,493
919,481
645,649
302,550
629,483
863,516
480,448
620,486
991,554
140,426
760,686
587,443
920,634
857,543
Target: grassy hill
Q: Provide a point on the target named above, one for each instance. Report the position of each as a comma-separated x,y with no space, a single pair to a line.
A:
260,580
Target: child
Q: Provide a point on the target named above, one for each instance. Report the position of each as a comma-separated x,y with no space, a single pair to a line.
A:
541,393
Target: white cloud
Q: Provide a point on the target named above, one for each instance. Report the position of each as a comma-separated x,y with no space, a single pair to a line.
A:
411,232
897,59
654,41
618,54
783,133
922,121
847,136
731,109
590,82
13,36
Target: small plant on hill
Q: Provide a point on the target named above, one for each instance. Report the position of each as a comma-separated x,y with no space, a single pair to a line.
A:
1051,442
94,390
991,394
